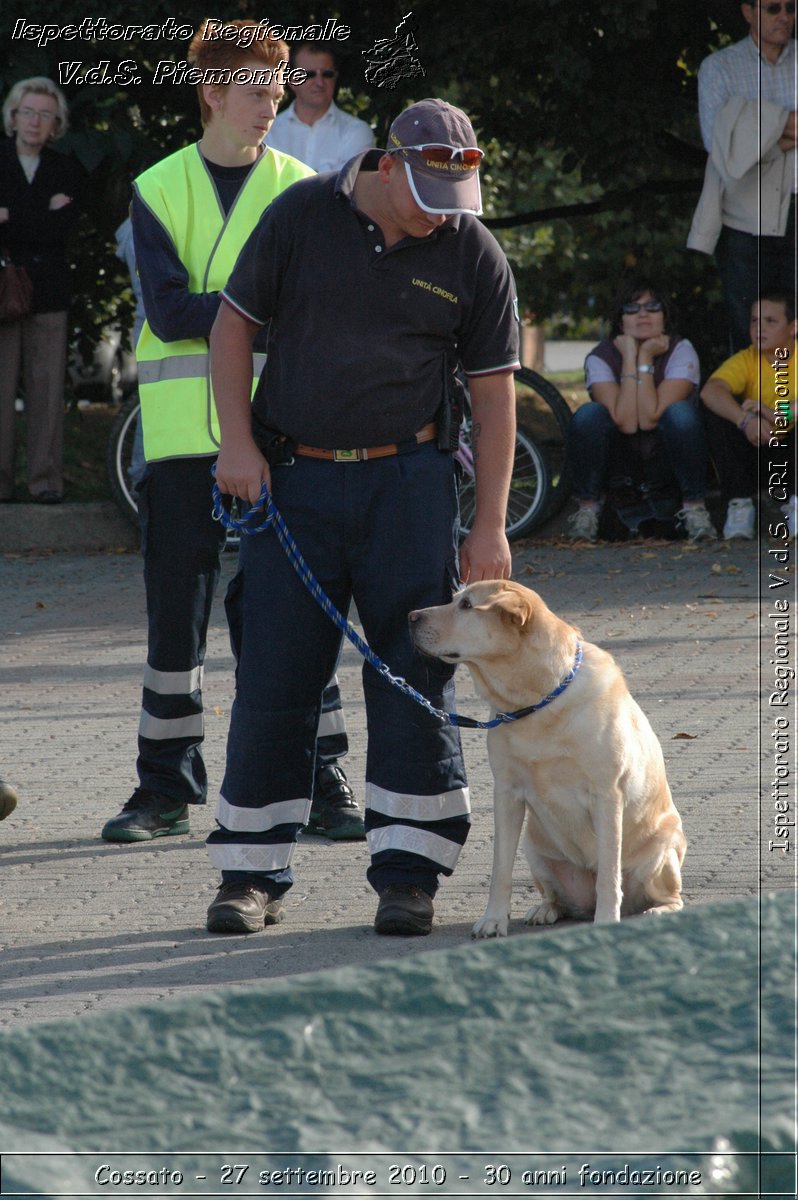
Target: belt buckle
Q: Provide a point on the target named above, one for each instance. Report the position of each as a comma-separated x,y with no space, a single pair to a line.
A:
346,455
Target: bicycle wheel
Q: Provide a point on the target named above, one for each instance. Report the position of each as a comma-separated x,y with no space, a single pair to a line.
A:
530,488
546,417
122,462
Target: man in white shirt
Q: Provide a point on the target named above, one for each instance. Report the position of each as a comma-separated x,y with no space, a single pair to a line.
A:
746,214
314,129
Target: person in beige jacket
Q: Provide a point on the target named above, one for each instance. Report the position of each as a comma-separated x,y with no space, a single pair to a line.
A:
746,213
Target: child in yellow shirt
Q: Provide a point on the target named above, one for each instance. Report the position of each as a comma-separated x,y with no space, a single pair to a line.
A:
751,400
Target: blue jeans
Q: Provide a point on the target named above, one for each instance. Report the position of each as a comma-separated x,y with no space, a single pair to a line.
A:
383,533
594,441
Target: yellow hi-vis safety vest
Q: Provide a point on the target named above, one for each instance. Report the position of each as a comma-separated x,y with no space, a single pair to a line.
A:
178,412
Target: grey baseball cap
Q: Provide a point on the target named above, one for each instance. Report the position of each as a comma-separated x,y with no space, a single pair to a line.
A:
438,146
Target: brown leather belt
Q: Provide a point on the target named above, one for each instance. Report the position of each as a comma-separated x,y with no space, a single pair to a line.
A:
427,434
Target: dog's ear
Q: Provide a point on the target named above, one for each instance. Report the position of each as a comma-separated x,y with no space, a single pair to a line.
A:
513,604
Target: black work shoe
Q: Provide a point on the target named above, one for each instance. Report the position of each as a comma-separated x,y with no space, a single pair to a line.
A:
242,907
404,908
145,816
8,800
334,812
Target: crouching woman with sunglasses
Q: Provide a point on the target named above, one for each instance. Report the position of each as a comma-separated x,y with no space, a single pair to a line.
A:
642,437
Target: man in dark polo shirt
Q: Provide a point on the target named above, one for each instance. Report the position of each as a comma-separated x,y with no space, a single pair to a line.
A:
378,283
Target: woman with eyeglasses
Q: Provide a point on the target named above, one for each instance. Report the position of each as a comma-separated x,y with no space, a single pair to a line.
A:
37,210
644,427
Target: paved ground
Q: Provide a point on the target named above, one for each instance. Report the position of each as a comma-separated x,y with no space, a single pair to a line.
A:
86,927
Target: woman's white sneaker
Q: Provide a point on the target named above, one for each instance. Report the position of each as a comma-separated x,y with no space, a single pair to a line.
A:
583,525
698,523
740,520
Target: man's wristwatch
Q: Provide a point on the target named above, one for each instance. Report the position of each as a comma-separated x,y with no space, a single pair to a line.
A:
646,369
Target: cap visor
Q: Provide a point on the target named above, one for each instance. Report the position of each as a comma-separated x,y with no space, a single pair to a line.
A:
443,196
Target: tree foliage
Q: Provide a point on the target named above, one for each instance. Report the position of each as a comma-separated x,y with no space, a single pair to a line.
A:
589,108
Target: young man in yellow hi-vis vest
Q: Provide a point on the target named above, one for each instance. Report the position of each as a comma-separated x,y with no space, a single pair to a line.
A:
191,214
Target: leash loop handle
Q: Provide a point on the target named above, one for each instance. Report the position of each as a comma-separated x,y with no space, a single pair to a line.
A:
243,524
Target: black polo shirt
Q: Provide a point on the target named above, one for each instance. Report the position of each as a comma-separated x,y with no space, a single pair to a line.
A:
361,336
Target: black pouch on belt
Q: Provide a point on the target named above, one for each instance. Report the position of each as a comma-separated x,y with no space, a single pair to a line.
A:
449,416
275,447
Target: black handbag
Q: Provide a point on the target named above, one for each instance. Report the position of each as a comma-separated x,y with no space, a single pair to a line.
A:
16,291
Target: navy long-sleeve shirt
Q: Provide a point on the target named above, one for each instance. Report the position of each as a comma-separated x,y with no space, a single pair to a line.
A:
173,311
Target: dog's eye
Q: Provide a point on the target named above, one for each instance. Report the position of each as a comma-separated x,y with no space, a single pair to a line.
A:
464,603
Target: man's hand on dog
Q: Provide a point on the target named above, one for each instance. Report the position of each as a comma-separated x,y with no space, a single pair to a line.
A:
485,555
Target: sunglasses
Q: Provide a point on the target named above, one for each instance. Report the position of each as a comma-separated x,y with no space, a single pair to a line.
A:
434,154
326,74
773,9
650,306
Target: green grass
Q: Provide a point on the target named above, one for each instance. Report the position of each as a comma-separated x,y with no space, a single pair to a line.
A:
567,378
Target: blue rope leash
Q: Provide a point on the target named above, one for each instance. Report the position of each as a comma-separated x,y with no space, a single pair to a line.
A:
248,526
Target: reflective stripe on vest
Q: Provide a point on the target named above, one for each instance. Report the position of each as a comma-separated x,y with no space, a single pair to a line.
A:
185,366
178,413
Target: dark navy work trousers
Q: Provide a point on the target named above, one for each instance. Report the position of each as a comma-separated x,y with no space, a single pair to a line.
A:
181,546
384,533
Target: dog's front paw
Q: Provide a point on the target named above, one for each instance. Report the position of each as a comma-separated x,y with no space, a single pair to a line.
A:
542,914
491,926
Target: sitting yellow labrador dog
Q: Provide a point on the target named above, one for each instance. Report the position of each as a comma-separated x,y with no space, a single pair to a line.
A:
603,837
